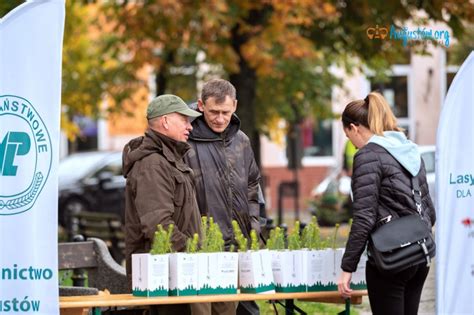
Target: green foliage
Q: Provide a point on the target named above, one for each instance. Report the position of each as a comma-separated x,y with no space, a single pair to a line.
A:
278,54
276,240
162,240
212,240
294,238
192,244
267,308
311,237
254,240
242,241
7,6
204,232
331,208
459,51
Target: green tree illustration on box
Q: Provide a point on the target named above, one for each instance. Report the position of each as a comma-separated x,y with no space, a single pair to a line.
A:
162,240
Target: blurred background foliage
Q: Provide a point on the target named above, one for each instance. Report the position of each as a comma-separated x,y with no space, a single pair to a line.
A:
280,55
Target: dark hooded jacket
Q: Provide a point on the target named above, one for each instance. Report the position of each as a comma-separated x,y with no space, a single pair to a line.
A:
226,176
382,186
159,190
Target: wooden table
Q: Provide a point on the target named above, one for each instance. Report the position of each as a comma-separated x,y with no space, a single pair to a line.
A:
80,305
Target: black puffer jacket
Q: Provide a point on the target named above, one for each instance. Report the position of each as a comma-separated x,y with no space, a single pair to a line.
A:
226,176
381,187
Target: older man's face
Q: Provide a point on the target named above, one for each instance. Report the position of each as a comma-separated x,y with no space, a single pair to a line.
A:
179,126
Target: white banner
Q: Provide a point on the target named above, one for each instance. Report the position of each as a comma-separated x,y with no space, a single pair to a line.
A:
455,197
30,100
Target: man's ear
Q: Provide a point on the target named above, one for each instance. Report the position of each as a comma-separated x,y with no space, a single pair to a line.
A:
200,105
164,122
235,105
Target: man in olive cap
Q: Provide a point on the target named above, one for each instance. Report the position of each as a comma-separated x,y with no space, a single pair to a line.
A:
159,186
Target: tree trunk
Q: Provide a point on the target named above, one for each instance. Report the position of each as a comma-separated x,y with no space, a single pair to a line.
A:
161,78
245,82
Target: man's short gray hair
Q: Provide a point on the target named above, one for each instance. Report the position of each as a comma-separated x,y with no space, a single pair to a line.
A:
219,89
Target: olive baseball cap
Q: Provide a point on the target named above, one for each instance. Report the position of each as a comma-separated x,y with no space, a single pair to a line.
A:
168,103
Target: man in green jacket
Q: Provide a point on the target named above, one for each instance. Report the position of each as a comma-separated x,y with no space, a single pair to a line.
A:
159,187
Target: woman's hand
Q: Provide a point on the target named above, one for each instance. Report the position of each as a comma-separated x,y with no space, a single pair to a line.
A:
344,284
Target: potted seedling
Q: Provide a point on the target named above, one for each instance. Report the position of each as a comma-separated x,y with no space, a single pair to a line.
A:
287,264
255,266
358,281
315,255
218,270
184,270
332,263
150,270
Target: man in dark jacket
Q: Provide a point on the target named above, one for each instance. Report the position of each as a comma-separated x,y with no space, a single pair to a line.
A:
159,186
226,175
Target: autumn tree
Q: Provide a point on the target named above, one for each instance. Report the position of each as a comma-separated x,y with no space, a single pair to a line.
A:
277,53
91,70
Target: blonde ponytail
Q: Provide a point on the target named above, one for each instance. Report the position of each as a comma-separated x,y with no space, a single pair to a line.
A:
380,117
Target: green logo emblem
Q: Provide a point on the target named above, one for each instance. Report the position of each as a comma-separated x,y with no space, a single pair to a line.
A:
25,155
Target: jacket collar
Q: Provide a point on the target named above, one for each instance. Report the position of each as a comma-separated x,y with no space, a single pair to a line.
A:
202,132
172,150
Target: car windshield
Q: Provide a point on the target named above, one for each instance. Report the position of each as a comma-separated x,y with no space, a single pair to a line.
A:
78,165
429,159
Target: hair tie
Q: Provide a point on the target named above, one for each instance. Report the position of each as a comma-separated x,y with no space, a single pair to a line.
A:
366,100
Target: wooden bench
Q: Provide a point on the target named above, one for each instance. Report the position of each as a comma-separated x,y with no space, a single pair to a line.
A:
107,285
105,226
80,305
93,257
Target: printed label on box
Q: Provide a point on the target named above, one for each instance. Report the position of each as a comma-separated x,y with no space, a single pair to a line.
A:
288,271
314,269
255,272
331,269
150,275
358,281
218,273
183,274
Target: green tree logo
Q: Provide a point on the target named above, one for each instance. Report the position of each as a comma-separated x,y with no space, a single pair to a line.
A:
25,154
13,144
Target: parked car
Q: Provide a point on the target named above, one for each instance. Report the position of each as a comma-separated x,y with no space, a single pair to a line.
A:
334,189
91,181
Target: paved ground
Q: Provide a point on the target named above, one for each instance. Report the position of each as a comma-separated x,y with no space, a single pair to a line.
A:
428,297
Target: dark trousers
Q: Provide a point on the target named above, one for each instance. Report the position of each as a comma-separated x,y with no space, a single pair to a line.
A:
248,308
397,294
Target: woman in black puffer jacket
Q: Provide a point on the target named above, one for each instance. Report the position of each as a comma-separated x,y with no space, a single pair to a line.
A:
381,186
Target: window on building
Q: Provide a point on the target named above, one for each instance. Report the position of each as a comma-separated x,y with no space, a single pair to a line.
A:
395,92
86,140
317,138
